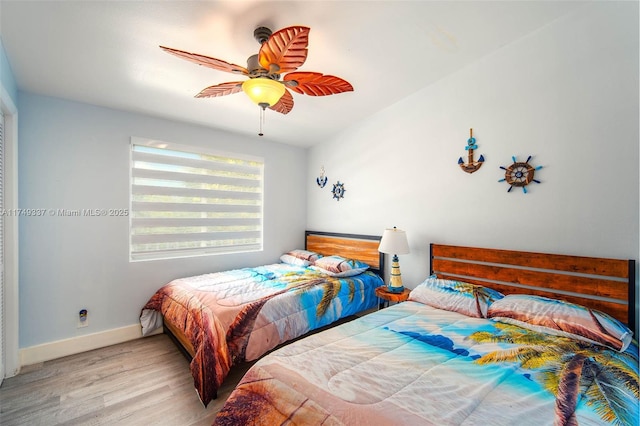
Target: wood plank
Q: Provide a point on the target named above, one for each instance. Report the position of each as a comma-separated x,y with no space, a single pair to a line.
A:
552,275
619,311
182,338
578,284
363,250
144,381
586,265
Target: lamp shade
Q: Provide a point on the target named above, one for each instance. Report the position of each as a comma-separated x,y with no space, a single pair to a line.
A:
394,241
263,91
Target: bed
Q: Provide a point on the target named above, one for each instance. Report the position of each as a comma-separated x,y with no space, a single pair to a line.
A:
225,318
491,337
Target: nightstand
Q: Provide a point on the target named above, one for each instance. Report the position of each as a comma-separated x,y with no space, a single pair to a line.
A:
386,296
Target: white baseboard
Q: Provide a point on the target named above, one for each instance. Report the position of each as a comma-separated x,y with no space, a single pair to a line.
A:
76,345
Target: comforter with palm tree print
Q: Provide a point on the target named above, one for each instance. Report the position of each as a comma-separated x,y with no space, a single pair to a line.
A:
414,364
239,315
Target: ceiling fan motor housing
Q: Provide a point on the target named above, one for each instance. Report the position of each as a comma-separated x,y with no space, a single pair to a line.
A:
256,70
262,34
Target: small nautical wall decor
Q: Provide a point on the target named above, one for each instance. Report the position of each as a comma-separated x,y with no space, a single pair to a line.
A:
322,179
338,190
519,174
471,165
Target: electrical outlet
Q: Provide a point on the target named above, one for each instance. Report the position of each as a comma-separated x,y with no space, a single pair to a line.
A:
83,318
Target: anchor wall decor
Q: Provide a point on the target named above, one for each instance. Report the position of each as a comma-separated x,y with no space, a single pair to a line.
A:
322,179
471,166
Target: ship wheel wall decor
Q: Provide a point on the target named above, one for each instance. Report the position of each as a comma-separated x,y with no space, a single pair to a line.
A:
471,166
338,190
519,174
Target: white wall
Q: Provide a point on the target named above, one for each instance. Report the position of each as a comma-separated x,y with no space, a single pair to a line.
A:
566,94
76,156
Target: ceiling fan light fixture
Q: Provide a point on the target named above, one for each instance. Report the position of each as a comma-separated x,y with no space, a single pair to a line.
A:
263,91
281,54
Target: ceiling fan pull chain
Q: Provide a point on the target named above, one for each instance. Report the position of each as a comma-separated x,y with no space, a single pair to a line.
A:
261,121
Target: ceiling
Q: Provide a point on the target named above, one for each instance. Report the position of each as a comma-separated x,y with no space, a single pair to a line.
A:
106,53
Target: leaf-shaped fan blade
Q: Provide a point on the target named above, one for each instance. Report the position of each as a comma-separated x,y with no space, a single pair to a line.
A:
205,61
221,90
285,104
316,84
286,49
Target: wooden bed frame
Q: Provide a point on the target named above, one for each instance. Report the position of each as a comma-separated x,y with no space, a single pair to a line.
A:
352,246
607,285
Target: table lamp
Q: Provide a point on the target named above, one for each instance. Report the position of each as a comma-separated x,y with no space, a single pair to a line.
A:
394,241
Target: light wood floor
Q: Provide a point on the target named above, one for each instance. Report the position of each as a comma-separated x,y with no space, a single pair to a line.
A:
142,382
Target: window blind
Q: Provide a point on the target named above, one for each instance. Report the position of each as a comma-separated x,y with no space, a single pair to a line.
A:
188,201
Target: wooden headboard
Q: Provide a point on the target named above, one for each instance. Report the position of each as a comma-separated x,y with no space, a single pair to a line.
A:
607,285
352,246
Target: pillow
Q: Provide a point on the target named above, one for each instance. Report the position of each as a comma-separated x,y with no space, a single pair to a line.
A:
560,318
457,296
338,266
300,257
292,260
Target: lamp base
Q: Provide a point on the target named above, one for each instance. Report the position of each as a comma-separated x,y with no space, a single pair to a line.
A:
395,280
391,289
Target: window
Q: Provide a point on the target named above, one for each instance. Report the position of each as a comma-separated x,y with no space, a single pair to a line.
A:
188,201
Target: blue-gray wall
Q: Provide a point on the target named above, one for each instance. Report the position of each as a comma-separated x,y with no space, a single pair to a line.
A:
76,156
6,76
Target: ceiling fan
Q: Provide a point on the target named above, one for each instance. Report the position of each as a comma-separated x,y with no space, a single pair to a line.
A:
281,53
